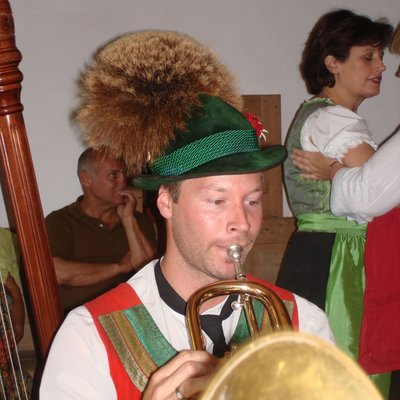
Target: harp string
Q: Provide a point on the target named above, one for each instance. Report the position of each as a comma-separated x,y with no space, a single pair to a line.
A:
11,367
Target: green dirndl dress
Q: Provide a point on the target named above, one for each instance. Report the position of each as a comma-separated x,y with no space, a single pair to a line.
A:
343,289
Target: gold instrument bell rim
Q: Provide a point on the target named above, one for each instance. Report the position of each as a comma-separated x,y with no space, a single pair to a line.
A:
216,389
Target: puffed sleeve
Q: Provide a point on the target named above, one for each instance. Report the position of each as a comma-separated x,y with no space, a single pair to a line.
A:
333,130
371,190
313,320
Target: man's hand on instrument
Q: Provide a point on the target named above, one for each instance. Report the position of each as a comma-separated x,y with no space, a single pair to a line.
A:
184,377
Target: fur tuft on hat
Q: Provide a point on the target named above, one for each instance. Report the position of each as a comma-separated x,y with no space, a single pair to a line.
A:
141,88
395,44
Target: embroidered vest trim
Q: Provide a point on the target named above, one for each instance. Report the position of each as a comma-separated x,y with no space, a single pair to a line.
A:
136,347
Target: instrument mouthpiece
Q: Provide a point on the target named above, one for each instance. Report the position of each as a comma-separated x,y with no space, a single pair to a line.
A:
235,252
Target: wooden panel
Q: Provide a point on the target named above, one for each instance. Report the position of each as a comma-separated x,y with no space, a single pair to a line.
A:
276,229
266,256
139,199
264,261
268,109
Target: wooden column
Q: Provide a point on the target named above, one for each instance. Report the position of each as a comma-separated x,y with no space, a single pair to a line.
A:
21,193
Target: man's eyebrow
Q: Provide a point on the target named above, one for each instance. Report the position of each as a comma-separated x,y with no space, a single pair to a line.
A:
258,190
223,189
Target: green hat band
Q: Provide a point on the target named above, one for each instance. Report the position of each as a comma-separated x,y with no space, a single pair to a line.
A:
204,150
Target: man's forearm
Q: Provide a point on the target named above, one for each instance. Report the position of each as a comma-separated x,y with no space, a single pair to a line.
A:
75,273
141,249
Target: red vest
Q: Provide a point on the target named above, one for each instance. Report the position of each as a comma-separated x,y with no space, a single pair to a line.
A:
380,331
124,297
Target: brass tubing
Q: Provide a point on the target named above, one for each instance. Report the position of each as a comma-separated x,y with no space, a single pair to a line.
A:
277,312
235,254
250,315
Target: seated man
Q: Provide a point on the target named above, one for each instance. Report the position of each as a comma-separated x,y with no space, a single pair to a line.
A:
206,162
100,239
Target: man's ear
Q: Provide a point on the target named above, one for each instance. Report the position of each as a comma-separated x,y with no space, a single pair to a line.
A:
331,64
85,178
164,202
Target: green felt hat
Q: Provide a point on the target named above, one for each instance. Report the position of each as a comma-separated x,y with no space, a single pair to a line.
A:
217,140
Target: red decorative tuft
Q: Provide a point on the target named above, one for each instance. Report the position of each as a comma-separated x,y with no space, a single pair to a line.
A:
257,125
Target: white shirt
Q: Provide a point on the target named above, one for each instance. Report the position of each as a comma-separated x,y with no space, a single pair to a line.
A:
77,365
360,193
371,190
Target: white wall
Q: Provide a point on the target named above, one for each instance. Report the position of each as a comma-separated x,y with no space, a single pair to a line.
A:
261,41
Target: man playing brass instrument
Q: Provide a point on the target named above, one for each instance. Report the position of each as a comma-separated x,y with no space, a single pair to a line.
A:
164,103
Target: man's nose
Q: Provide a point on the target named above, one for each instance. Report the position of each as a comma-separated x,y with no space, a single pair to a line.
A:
121,180
239,220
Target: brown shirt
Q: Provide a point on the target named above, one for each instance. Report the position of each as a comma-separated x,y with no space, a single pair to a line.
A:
75,236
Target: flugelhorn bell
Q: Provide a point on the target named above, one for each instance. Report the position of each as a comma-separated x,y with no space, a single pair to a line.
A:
290,366
247,291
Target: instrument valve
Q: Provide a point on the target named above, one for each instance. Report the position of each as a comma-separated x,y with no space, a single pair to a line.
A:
236,305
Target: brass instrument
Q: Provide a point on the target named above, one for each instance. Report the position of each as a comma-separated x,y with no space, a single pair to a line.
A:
280,366
278,315
290,366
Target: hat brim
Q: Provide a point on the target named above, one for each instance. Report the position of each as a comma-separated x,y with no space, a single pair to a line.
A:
236,164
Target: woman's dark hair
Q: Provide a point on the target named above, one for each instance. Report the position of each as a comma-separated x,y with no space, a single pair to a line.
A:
334,34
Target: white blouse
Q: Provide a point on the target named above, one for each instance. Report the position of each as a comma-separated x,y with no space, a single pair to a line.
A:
333,130
360,193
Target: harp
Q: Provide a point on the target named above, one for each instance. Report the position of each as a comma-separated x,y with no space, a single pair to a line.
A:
21,195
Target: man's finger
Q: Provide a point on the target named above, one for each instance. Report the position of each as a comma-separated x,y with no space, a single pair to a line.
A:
310,177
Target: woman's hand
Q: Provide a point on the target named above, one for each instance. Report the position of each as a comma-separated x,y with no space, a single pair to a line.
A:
315,165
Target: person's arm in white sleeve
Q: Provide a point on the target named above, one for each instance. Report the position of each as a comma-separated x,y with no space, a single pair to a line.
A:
313,320
371,190
77,365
